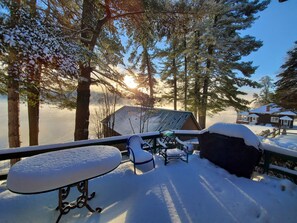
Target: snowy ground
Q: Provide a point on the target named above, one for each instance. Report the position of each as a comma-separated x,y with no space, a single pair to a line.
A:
179,192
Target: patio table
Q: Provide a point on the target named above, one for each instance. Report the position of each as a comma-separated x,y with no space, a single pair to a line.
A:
62,170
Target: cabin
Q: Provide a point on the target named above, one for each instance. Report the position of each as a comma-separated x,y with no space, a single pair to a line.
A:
270,114
134,119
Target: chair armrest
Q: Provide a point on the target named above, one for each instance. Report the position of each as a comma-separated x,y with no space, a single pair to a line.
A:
161,143
148,145
183,144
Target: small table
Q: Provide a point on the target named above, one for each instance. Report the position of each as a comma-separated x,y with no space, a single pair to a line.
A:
62,170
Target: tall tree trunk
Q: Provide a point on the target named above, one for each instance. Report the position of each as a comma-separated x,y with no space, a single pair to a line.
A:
174,84
185,76
150,77
33,97
13,88
204,102
33,92
82,104
13,109
203,106
84,82
83,88
174,69
197,94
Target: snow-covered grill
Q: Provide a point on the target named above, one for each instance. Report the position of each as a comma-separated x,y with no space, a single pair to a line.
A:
231,146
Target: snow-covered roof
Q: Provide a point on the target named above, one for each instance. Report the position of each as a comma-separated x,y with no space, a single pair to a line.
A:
133,119
244,113
253,116
267,109
236,130
286,118
290,113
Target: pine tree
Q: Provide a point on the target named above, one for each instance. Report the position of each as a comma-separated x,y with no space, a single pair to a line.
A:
13,70
286,87
43,49
217,66
143,52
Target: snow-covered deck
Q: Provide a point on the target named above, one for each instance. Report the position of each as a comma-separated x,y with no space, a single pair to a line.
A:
179,192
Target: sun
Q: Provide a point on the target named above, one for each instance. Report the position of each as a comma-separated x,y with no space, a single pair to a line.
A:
130,82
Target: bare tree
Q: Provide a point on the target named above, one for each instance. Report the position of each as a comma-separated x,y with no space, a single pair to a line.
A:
105,111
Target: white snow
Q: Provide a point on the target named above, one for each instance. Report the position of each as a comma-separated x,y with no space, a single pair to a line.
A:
288,113
236,130
53,170
286,142
267,109
286,118
197,191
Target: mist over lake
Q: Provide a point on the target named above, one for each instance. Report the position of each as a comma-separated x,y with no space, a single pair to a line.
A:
57,125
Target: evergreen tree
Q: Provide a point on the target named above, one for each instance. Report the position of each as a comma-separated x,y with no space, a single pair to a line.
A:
12,81
286,87
42,49
143,51
218,71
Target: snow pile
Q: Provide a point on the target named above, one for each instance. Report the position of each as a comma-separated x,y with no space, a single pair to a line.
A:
287,142
236,130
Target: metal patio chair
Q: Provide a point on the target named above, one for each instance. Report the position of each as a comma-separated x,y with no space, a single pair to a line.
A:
136,152
171,147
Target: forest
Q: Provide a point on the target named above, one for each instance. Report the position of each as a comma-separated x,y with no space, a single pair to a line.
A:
187,53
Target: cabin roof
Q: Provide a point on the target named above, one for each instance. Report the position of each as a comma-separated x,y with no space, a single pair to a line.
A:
134,119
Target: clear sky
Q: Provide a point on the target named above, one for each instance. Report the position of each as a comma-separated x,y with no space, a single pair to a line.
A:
277,28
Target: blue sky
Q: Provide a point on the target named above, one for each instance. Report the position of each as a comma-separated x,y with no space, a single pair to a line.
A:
277,28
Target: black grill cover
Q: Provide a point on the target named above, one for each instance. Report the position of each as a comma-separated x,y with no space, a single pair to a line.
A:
230,153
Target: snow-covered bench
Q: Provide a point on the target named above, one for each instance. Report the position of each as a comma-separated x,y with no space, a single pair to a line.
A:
63,170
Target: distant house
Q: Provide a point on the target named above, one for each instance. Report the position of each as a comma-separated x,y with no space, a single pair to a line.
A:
270,114
132,120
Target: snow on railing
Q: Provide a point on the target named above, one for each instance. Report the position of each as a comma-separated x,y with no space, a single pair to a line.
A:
12,153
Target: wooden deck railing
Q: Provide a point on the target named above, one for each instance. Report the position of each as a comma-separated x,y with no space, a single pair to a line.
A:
13,153
267,133
7,154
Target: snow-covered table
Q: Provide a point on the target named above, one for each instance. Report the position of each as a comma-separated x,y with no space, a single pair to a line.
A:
63,170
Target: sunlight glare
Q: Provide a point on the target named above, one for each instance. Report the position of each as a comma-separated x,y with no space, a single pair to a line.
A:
130,82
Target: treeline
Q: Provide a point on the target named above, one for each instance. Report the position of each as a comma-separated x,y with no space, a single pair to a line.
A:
53,51
283,91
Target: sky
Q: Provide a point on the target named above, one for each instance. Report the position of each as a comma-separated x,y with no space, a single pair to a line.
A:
277,28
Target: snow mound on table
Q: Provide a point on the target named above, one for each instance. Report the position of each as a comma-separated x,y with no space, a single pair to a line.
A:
236,130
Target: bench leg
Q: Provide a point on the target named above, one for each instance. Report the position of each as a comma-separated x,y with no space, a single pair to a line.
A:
82,201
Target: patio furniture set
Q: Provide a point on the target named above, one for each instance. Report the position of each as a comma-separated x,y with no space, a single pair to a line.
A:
65,169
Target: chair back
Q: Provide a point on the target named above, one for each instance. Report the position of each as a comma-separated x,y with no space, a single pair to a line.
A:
135,142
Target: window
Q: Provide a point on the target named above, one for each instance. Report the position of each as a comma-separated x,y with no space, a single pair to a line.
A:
274,119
